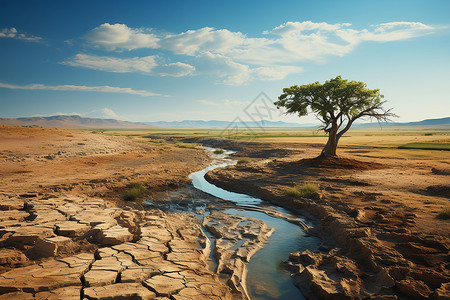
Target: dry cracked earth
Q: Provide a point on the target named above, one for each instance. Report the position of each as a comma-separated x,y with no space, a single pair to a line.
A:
71,247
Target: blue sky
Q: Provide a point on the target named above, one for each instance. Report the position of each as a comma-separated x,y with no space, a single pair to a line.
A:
176,60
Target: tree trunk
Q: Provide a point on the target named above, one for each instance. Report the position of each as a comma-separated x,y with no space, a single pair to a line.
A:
330,148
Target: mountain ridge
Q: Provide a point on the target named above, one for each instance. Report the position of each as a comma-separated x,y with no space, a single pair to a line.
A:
79,122
72,122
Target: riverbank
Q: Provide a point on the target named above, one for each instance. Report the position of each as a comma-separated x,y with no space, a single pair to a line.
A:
376,215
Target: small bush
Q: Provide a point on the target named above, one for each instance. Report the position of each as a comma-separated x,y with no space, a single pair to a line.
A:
242,161
218,151
302,190
444,214
428,134
135,190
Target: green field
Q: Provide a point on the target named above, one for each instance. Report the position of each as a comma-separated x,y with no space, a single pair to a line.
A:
426,146
388,143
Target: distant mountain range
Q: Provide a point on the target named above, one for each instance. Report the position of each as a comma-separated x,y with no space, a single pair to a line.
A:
224,124
78,122
441,122
73,122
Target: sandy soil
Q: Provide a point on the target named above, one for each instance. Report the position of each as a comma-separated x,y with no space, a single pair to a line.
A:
36,160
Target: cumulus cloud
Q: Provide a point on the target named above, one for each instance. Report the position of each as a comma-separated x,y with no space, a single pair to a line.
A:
233,57
103,89
120,36
14,34
148,65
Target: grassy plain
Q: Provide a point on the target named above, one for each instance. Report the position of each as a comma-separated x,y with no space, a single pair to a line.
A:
414,143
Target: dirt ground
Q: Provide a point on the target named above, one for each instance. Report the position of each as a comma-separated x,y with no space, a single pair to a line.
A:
377,210
378,214
37,160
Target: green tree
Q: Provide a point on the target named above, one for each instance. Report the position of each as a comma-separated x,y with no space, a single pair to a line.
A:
337,103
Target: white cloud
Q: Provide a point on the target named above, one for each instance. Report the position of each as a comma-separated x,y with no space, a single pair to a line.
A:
193,42
104,113
233,57
234,102
225,102
234,73
148,65
14,34
103,89
207,102
177,69
386,32
120,36
113,64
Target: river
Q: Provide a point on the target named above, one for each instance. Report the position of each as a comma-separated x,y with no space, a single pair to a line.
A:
266,277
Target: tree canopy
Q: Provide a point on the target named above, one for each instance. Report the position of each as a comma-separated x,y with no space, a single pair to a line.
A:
337,103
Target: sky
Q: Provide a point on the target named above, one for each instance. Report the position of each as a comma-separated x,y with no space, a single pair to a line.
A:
217,60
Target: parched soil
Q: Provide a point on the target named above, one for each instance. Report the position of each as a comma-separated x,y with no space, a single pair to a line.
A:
377,216
37,160
60,237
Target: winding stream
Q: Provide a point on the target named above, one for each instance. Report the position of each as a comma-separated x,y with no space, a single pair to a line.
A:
266,279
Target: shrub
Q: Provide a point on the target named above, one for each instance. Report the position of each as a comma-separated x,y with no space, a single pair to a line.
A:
444,214
302,190
218,151
242,161
135,190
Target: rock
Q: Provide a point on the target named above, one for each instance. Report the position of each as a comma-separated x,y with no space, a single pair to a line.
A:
164,285
28,235
46,276
45,248
17,295
137,251
17,215
306,258
119,291
82,260
115,235
443,292
66,293
12,257
47,215
384,279
162,235
11,204
413,289
135,273
71,228
153,245
94,216
105,252
100,277
69,209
